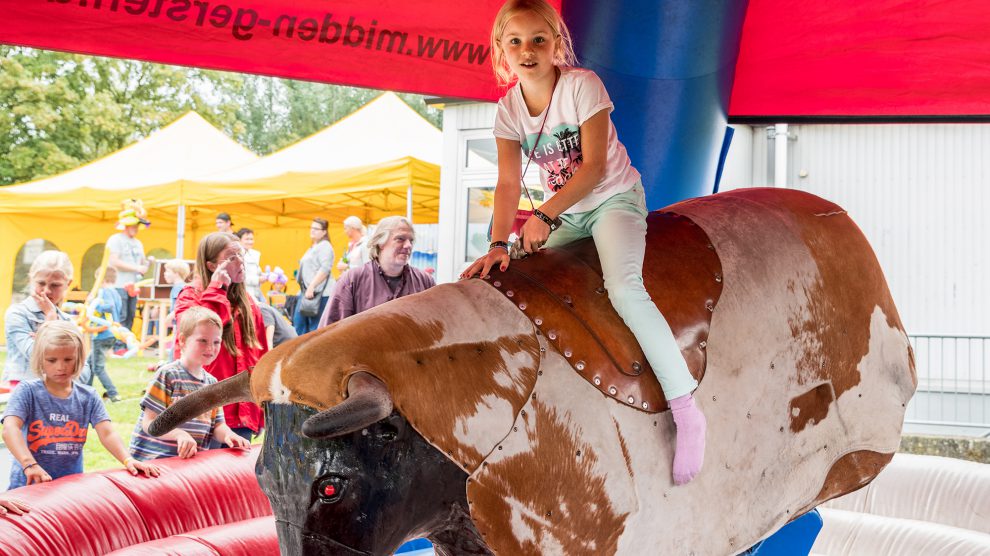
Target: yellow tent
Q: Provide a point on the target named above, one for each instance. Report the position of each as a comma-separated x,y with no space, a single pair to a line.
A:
366,164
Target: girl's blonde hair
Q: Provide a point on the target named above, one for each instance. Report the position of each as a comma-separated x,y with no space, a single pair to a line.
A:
563,54
57,333
51,261
240,301
195,316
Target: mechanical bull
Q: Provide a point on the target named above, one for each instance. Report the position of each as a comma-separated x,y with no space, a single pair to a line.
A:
514,416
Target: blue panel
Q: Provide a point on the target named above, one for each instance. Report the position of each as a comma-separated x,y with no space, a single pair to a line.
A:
726,143
668,66
794,539
415,546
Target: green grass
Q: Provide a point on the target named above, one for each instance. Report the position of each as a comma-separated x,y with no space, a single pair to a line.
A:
131,377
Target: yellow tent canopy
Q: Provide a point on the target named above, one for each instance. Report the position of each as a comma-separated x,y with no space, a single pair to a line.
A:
367,164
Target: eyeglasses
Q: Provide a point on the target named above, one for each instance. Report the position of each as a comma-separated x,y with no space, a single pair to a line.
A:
316,228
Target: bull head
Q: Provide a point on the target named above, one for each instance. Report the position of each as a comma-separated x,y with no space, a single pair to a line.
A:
353,479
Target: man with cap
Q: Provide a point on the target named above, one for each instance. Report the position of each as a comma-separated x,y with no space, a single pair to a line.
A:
127,256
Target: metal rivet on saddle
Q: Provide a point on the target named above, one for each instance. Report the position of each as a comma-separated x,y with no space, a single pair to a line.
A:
598,381
612,390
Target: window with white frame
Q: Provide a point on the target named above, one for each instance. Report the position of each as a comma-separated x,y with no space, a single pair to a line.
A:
478,175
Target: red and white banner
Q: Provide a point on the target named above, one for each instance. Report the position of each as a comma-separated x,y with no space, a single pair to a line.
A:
435,46
821,58
864,58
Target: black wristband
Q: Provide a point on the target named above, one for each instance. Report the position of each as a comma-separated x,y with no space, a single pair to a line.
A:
29,466
498,245
554,223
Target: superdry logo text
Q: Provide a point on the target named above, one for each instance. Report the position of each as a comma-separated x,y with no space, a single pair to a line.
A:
40,435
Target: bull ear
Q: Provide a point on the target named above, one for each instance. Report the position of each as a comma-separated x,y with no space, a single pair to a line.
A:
368,401
232,390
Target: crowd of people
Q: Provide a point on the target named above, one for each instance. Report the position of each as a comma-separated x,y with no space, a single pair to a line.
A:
222,326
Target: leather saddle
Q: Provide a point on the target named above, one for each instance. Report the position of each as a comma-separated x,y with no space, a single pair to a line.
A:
562,292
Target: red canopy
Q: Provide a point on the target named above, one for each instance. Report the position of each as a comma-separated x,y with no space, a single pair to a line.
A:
888,58
824,58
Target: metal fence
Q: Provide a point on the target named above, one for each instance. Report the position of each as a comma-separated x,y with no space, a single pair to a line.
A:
953,387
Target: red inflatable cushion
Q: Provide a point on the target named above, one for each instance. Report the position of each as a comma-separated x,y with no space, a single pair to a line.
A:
80,514
253,537
213,488
98,513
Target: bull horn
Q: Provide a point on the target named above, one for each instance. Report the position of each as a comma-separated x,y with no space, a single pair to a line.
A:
368,401
231,390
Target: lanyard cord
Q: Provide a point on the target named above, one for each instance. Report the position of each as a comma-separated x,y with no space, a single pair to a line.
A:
522,178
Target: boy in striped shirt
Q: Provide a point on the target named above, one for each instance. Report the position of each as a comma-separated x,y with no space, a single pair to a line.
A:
198,334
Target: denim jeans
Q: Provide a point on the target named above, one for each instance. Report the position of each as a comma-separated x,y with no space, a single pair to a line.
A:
98,365
129,308
618,226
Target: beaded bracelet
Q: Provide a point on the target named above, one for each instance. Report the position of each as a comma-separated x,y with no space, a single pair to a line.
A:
498,245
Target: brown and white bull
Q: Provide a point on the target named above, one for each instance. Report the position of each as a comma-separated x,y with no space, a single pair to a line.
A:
460,415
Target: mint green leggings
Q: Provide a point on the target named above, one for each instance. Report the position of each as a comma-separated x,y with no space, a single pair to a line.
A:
619,228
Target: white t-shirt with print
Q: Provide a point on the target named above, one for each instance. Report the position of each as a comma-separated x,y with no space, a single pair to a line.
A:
579,95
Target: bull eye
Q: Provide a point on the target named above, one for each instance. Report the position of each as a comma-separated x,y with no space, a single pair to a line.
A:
330,488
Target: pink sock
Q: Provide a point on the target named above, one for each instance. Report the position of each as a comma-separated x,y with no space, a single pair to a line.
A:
690,448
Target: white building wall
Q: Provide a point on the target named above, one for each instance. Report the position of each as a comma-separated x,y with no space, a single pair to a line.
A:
920,194
461,122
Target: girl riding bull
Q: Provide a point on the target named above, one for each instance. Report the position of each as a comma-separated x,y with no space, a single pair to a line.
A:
558,115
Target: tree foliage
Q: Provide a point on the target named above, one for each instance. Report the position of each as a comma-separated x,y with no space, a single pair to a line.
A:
60,110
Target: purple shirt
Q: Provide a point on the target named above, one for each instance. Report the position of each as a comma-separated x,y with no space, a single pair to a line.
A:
362,288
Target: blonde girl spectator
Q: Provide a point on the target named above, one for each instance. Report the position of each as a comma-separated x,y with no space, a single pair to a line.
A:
218,285
357,245
48,281
46,421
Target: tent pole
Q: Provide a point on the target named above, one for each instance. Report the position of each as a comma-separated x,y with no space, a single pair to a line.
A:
409,194
180,232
